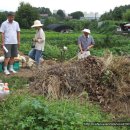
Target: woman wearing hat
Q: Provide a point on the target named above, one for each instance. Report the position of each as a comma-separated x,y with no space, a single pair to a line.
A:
85,42
39,41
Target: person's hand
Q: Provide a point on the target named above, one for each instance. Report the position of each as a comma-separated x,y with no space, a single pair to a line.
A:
35,40
81,51
88,48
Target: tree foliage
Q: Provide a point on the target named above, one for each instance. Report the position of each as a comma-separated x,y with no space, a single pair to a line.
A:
50,20
43,10
61,13
126,15
77,15
26,15
116,14
2,16
78,25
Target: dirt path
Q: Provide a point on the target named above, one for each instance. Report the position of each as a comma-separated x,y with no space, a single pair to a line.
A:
23,72
28,72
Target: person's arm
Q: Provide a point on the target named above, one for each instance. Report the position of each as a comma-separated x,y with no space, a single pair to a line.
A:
80,47
90,46
18,38
80,44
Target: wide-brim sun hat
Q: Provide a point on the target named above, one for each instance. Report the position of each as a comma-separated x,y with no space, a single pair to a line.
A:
86,30
37,23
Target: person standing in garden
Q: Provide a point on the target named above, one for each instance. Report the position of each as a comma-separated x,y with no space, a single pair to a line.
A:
39,41
85,43
10,34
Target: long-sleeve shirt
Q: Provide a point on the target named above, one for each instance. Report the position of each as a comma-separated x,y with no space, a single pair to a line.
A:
40,36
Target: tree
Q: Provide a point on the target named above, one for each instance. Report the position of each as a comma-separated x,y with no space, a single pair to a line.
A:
77,25
126,15
106,16
117,13
3,16
43,10
77,15
26,15
60,13
50,20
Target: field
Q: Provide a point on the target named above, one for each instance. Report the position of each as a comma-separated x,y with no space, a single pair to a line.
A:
29,107
117,44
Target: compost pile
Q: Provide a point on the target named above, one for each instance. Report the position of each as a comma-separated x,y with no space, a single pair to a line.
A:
106,80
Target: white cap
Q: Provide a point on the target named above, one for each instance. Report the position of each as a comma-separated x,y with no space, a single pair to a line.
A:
37,23
86,30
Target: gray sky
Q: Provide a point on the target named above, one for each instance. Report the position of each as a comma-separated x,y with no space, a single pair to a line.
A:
69,6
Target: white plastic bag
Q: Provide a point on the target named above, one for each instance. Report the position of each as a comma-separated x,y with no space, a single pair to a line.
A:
2,59
84,54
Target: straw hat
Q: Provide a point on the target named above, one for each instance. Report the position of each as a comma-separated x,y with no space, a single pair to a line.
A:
86,30
37,23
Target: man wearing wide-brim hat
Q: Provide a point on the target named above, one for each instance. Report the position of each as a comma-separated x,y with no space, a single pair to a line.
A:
85,42
39,41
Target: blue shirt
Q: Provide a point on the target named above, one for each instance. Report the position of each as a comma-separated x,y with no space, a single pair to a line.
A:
85,41
10,31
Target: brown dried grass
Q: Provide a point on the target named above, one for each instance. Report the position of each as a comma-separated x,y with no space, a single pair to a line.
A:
106,80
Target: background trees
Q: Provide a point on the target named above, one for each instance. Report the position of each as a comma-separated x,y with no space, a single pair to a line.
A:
126,15
2,16
26,15
77,15
43,10
116,14
61,13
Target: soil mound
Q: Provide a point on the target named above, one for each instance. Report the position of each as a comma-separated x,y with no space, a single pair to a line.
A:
106,80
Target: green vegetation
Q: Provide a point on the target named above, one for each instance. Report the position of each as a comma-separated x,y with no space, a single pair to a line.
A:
118,44
22,111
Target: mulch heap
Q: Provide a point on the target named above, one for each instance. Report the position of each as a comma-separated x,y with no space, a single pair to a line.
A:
106,80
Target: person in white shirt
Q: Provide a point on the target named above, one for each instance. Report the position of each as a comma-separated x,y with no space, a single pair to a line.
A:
10,33
39,41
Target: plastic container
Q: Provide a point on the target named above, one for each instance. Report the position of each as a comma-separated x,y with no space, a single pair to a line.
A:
1,67
1,86
16,65
2,93
6,88
2,59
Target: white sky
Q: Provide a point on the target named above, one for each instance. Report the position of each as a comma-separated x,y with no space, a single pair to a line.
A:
69,6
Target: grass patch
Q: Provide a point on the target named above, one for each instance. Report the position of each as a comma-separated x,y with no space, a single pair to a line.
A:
22,111
15,82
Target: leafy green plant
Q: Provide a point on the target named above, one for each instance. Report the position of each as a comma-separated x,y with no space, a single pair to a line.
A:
25,112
